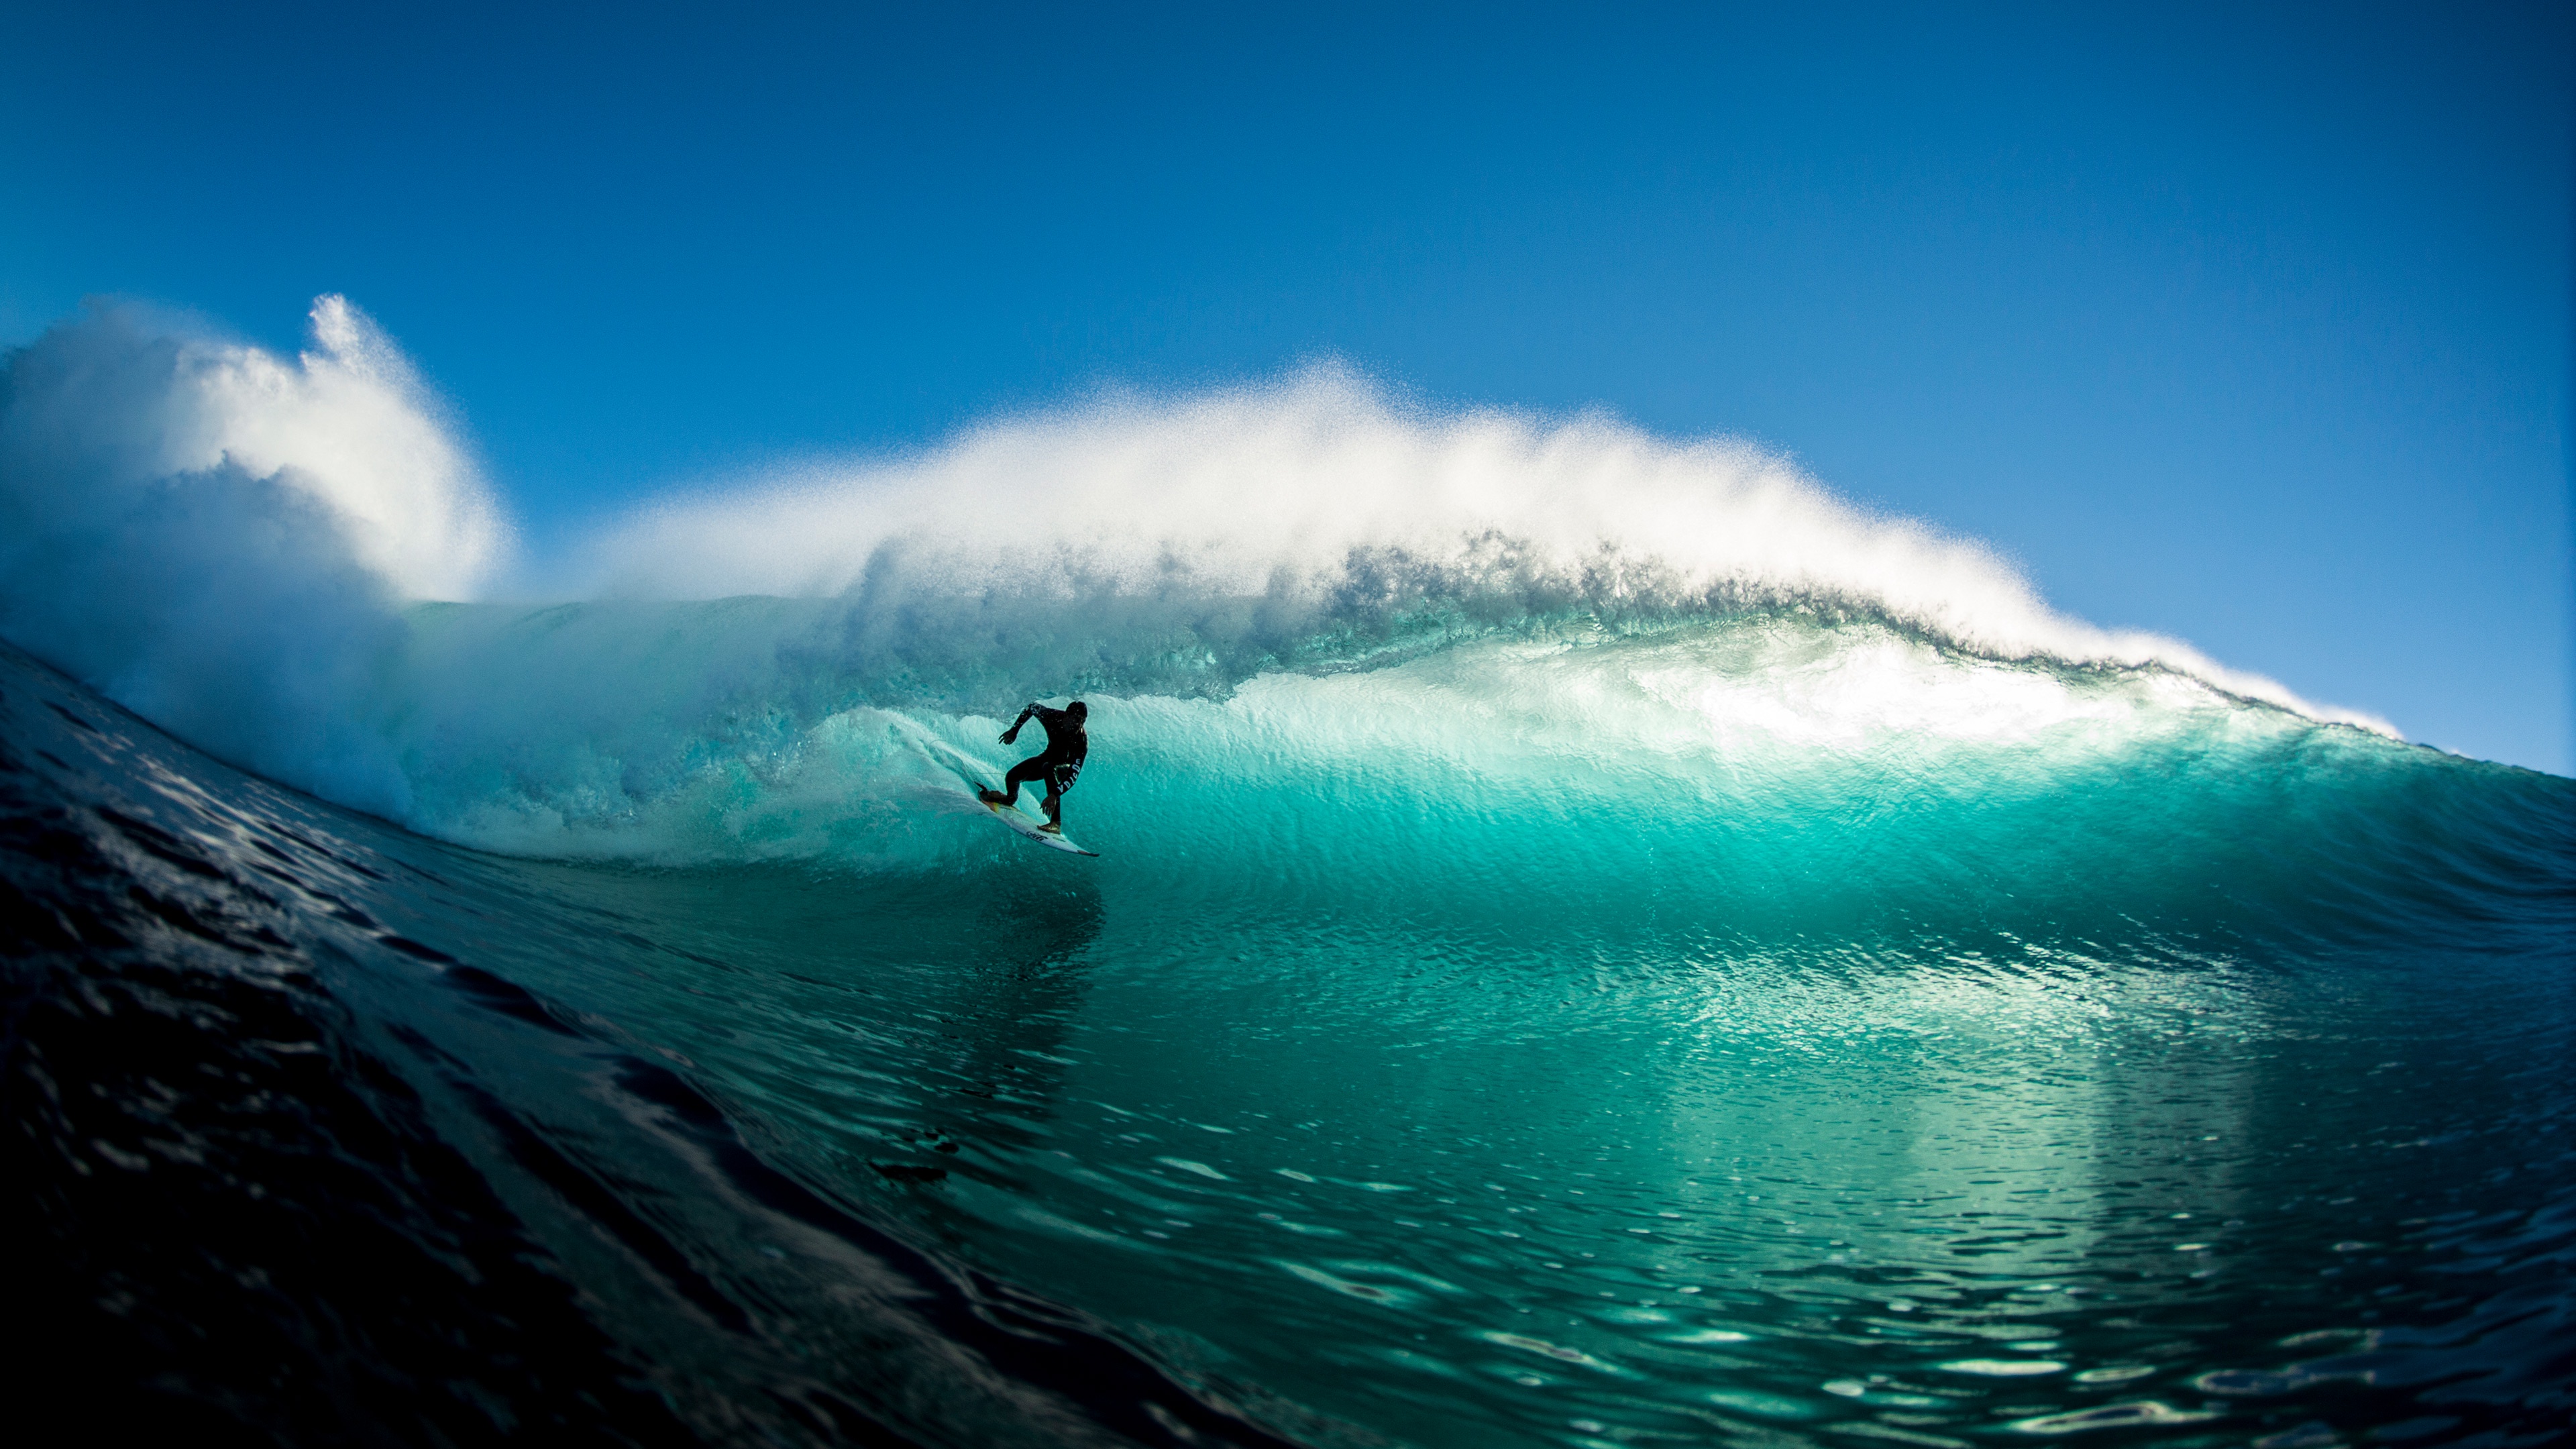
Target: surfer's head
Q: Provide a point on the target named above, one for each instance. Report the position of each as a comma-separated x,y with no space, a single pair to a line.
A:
1078,710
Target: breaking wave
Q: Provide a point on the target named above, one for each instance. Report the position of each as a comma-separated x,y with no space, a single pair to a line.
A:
293,563
1593,939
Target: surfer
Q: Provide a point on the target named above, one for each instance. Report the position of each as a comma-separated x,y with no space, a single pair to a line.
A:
1057,765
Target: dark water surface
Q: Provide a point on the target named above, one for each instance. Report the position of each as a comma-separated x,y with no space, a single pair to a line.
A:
1441,1083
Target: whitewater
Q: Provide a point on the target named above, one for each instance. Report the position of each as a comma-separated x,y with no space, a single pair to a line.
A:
1597,940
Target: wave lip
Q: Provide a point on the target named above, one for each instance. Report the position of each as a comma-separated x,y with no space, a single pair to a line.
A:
1324,487
241,548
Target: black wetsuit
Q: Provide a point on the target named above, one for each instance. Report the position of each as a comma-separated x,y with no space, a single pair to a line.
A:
1061,762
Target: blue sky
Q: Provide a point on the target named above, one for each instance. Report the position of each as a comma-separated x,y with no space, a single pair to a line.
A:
2245,324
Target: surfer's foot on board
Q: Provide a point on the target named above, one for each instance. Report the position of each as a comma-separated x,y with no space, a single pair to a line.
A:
1052,828
992,797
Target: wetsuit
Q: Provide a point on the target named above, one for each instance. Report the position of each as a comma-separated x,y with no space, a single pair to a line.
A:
1057,766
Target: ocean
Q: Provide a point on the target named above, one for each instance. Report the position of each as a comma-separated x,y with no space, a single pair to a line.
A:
1594,941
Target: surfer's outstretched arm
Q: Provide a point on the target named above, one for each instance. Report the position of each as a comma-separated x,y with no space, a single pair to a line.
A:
1012,734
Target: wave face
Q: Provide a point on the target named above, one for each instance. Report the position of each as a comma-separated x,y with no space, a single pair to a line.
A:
1594,939
235,546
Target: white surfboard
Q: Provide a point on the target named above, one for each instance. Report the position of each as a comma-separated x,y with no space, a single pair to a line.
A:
1017,819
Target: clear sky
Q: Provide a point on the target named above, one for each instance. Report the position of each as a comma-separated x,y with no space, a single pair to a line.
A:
2248,324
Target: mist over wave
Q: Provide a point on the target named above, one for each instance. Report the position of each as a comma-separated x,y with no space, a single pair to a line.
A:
222,539
292,563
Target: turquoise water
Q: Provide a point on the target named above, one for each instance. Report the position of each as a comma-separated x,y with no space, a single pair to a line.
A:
1488,1050
1594,942
1757,1029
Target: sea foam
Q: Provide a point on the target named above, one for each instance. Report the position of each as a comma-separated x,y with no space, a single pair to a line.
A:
296,564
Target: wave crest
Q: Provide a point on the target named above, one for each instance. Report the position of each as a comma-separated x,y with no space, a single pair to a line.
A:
235,545
220,539
1326,498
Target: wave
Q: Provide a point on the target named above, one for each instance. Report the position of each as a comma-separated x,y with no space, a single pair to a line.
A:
221,539
1434,1088
1586,924
241,548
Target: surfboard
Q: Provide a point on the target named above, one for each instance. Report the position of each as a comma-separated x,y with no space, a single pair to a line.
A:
1018,820
971,773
